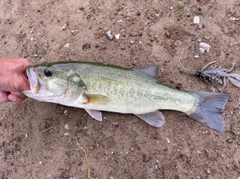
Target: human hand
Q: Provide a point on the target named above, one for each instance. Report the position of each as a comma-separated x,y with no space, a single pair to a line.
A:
13,79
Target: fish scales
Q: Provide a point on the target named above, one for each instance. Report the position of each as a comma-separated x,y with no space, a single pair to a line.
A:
131,92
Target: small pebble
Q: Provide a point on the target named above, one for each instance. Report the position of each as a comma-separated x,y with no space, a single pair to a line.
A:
185,152
204,46
67,45
74,32
233,19
132,41
66,126
138,13
66,134
117,36
81,8
201,50
196,56
64,27
196,20
140,34
110,36
198,12
208,171
206,37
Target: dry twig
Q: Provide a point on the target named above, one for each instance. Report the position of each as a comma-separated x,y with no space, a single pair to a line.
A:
88,165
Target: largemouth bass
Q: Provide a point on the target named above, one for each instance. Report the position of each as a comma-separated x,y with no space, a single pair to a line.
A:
99,87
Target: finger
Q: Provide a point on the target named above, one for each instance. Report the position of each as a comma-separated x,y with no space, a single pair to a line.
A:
15,99
25,63
3,96
25,83
20,95
21,83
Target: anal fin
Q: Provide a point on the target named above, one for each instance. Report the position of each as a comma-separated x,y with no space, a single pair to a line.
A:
155,118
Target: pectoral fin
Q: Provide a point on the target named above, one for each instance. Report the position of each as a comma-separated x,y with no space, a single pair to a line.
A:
95,114
155,118
83,98
95,99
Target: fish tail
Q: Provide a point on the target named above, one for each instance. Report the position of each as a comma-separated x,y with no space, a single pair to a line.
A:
208,109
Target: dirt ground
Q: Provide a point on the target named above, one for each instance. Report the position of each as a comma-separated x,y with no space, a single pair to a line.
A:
43,140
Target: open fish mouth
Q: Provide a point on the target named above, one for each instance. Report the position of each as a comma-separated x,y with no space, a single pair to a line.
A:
33,81
37,85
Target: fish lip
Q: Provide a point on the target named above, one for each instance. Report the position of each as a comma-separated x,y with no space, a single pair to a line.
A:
33,80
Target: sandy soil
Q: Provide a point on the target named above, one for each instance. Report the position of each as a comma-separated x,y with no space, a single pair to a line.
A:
39,140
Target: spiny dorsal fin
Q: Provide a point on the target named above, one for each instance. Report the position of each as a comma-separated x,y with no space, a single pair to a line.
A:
151,70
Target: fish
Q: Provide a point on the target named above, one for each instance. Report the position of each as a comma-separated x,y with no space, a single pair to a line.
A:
98,87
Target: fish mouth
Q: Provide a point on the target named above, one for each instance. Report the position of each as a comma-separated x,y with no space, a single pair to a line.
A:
33,81
37,85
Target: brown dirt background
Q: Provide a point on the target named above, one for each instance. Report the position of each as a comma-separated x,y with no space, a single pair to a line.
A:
34,139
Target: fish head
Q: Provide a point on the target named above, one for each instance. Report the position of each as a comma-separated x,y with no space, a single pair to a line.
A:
52,84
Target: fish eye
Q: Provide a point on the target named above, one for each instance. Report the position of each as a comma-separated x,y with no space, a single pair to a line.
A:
48,72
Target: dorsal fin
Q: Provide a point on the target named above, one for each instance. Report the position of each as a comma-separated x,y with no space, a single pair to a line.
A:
151,70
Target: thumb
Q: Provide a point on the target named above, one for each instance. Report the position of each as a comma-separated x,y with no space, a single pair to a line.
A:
26,85
22,84
3,96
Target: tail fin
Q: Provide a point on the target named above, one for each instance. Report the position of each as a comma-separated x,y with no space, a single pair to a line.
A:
208,110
